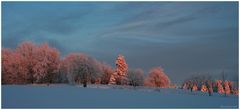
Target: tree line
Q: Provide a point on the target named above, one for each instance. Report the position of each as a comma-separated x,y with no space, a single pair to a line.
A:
205,83
41,64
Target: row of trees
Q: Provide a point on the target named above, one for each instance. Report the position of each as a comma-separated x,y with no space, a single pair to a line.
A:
30,63
201,83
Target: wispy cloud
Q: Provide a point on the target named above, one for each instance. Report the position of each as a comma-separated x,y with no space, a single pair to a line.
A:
175,35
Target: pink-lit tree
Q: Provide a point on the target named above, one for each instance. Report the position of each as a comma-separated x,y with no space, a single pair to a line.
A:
194,88
120,75
6,76
157,78
107,71
226,87
13,70
220,87
204,88
47,64
26,51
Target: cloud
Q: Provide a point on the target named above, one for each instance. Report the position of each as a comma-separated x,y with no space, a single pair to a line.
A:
161,22
149,22
183,37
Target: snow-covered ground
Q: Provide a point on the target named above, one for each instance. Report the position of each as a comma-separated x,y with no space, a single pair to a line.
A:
106,96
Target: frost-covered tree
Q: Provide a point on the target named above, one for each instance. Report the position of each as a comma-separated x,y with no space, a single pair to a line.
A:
219,87
120,74
157,78
194,88
26,51
235,91
6,62
106,71
204,88
13,71
209,88
121,65
80,68
188,85
226,87
136,77
198,79
185,86
47,64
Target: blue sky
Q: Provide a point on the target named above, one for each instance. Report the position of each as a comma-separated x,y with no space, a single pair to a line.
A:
184,38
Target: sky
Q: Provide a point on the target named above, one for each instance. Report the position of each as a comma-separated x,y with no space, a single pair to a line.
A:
184,38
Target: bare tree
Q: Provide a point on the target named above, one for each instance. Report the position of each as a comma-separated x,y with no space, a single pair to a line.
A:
80,68
106,71
136,77
210,88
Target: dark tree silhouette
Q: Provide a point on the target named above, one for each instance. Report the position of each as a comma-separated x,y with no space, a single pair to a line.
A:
136,77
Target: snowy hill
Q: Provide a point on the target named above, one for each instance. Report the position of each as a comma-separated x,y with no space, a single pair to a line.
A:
106,96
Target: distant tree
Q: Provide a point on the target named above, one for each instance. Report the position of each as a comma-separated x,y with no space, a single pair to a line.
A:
188,85
157,78
136,77
185,86
47,64
231,86
226,87
80,68
219,87
107,71
210,88
235,91
204,88
194,88
198,79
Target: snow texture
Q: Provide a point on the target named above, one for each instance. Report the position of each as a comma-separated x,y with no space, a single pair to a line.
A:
109,96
